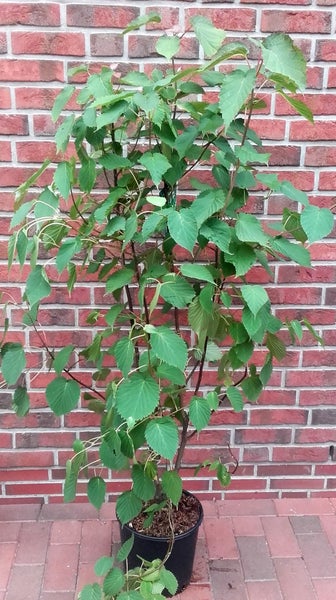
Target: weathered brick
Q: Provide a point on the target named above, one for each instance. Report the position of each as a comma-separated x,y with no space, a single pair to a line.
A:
291,21
46,14
38,42
28,70
81,15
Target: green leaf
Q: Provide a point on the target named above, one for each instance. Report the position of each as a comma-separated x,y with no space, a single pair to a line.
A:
157,164
317,222
125,549
128,506
291,250
67,251
63,133
176,290
91,592
151,17
87,175
168,46
137,396
21,213
255,297
169,580
206,204
162,436
63,178
21,402
252,388
96,491
114,161
249,229
119,279
62,395
22,190
276,346
299,106
199,412
46,206
282,57
113,582
266,371
218,232
62,357
223,475
173,374
37,286
235,397
197,272
183,228
235,91
168,346
61,100
172,486
208,35
143,486
103,565
112,114
13,362
123,351
132,595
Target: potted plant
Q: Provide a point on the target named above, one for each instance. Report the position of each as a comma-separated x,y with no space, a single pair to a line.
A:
152,199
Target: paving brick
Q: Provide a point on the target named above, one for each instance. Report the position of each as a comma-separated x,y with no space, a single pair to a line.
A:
227,508
255,558
85,576
25,582
247,525
328,523
196,592
7,553
303,506
108,511
54,512
210,508
325,588
200,572
293,579
220,539
280,537
20,512
263,590
317,554
306,524
66,532
96,540
32,543
56,596
227,580
61,568
9,532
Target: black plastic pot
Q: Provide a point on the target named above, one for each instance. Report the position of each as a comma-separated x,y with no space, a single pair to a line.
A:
181,559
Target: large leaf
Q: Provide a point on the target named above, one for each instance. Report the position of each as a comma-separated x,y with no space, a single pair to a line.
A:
206,204
235,91
123,351
196,271
61,100
103,565
176,291
62,395
113,582
137,396
168,346
62,357
282,57
218,232
292,250
208,35
68,249
255,297
151,17
143,486
91,592
199,412
96,491
249,229
63,178
168,46
316,222
183,228
21,402
235,397
162,436
128,506
119,279
172,486
63,133
125,549
13,362
37,286
157,164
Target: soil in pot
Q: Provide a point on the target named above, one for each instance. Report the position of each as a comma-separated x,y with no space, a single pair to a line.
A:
153,542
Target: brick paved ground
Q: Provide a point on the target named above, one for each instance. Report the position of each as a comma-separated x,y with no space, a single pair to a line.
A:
247,550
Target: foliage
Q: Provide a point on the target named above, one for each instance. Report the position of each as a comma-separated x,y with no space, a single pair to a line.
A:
153,202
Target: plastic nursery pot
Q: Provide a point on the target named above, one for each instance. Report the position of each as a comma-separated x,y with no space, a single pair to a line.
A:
181,559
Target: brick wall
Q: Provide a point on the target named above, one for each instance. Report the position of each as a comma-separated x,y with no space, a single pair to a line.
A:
285,444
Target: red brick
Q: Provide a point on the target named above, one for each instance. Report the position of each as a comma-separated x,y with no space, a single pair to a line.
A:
33,97
320,156
5,99
278,416
66,532
196,592
6,152
233,19
294,273
24,475
26,459
13,125
7,553
263,590
293,578
39,42
327,180
28,70
332,77
248,525
25,577
46,14
296,484
325,50
300,454
217,530
3,43
262,436
169,18
313,378
325,588
303,21
61,567
314,436
268,129
320,130
91,548
82,15
317,554
34,536
316,397
106,44
30,489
